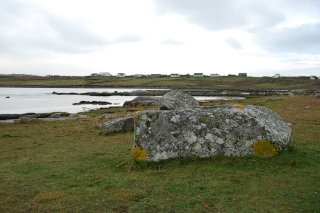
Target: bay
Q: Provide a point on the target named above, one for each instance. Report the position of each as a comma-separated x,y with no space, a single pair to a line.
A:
41,100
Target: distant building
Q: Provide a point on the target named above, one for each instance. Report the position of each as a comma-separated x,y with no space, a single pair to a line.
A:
198,74
313,77
155,76
101,74
276,76
215,75
242,74
137,75
174,75
104,74
121,75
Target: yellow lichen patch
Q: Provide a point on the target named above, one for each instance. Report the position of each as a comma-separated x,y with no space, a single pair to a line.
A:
240,107
136,117
264,149
139,154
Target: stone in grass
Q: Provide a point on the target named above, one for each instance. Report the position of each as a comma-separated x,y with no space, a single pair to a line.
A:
222,130
111,116
118,125
177,100
26,119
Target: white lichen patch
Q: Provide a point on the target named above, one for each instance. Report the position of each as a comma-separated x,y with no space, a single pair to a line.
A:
175,119
209,137
191,137
197,147
219,141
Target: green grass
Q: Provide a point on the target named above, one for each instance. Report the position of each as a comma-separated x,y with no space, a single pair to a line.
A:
68,166
183,82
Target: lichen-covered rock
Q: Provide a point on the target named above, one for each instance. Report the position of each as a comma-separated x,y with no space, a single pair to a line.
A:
177,100
143,101
119,125
26,119
223,130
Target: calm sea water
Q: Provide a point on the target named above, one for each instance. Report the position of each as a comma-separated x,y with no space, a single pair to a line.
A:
40,100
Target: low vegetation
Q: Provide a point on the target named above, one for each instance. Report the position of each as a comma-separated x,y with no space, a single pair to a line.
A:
68,166
164,82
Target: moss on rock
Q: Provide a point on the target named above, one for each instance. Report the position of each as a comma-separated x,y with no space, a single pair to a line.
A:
240,107
264,149
139,154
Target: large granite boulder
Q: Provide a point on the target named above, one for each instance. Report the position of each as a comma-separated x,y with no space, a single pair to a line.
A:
222,130
143,101
177,100
119,125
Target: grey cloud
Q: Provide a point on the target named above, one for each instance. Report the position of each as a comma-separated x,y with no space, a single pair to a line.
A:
128,38
302,39
260,18
26,30
234,43
171,42
221,15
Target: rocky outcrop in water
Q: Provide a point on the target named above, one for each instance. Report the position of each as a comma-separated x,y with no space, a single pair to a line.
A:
116,93
34,115
93,103
223,130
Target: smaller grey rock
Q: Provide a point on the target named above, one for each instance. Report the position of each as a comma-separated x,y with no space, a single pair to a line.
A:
111,116
177,100
307,107
318,95
300,91
56,115
82,116
119,125
25,119
142,101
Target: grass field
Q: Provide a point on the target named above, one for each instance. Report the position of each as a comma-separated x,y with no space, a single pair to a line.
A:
68,166
183,82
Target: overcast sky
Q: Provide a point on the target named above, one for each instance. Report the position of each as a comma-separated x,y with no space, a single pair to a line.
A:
80,37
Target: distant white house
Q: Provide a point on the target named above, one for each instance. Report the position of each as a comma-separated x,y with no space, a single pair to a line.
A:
215,75
155,75
276,76
198,74
104,74
121,75
174,75
313,77
138,75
